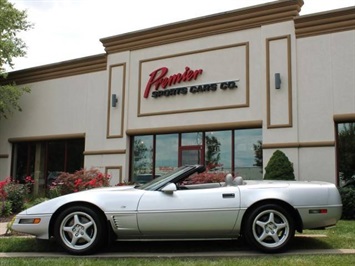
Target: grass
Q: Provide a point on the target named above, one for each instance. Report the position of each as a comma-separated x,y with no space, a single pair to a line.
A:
339,237
324,260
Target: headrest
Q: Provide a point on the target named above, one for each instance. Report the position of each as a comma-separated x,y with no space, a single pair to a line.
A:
229,180
238,181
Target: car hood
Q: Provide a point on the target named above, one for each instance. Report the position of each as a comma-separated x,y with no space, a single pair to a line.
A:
105,198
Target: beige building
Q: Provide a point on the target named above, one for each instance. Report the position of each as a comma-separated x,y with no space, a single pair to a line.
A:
209,90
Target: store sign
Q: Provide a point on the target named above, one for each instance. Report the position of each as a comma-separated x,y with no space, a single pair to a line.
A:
160,82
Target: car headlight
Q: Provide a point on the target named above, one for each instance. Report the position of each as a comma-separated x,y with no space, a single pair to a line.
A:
30,221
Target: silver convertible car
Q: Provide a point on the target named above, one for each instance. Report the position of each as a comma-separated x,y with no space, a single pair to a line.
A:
265,213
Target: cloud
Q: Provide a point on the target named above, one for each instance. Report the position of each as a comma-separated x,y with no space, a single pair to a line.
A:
69,29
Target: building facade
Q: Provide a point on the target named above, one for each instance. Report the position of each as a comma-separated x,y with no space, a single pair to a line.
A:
225,90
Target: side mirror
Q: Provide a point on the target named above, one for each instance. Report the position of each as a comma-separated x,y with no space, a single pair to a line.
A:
169,188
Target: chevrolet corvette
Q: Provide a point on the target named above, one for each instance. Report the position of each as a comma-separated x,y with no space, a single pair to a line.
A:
264,213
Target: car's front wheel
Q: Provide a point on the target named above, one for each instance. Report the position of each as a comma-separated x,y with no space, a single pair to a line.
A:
269,228
80,230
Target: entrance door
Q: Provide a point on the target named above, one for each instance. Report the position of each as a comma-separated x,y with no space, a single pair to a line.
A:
189,155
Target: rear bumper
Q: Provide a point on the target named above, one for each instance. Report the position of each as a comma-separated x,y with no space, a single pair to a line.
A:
316,217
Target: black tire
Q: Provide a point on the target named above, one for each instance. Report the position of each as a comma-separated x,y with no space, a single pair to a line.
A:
80,230
269,228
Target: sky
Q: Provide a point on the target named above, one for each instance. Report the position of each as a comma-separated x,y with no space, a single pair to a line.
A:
71,29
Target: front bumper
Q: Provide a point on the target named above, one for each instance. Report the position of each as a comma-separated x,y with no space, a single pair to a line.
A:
29,224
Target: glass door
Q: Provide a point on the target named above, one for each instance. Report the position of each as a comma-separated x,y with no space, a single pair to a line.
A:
189,155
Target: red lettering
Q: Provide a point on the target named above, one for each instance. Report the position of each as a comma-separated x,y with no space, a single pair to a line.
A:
155,80
158,78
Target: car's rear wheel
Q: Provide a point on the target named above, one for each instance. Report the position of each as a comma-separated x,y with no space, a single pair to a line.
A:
80,230
269,228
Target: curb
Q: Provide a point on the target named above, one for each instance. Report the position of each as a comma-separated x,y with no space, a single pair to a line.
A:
197,255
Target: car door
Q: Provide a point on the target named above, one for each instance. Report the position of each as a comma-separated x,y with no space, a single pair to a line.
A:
196,212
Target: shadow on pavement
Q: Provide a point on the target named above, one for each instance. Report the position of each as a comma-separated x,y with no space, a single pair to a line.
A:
33,245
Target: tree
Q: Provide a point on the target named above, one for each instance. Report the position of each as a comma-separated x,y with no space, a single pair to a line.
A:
279,167
12,22
258,151
213,154
346,150
142,162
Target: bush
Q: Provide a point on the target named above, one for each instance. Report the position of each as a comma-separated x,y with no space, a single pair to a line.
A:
348,198
206,177
279,167
34,202
81,180
2,189
54,191
5,210
16,194
13,194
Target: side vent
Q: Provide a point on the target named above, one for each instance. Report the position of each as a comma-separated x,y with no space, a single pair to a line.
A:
116,222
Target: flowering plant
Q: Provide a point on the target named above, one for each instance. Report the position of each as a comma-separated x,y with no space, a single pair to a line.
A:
125,183
5,209
206,177
2,190
80,180
13,195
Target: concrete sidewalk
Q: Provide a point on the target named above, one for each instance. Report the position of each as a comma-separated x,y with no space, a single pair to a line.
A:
3,228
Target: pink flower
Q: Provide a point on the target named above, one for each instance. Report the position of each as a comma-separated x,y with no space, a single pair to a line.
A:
92,182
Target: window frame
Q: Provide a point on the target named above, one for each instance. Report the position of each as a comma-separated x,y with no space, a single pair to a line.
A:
184,147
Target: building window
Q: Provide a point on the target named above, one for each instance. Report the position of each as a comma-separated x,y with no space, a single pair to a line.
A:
23,160
44,160
218,150
248,153
229,151
166,153
191,139
142,161
346,152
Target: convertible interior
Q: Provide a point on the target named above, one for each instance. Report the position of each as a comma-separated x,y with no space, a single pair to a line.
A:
229,181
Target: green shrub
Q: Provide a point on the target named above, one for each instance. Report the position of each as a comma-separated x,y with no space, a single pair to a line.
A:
34,202
54,191
5,209
13,195
279,167
16,194
348,198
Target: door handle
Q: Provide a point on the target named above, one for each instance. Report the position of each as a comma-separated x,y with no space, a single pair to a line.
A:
228,195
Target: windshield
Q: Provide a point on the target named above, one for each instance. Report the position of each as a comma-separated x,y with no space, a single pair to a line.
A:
158,182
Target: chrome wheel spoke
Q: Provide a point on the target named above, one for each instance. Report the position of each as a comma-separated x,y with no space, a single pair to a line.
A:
68,229
86,237
263,236
270,228
78,230
87,225
275,237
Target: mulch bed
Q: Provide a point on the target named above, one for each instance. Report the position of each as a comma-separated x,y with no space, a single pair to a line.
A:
6,219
